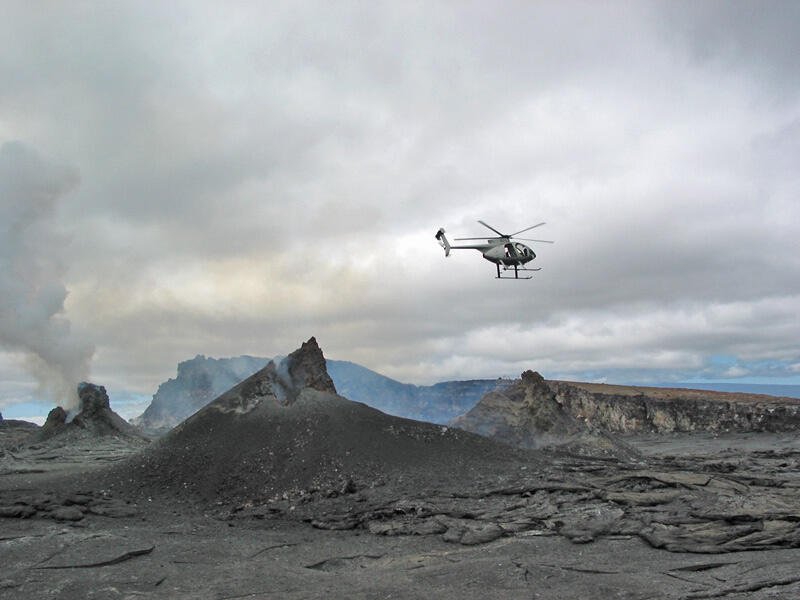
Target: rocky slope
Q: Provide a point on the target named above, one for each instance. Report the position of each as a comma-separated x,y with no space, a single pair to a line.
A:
528,414
627,409
202,379
14,432
285,433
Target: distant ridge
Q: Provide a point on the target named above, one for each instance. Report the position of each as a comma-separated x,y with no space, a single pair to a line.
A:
197,383
437,403
634,409
202,379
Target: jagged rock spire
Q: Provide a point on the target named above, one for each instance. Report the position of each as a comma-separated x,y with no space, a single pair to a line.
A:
307,368
283,382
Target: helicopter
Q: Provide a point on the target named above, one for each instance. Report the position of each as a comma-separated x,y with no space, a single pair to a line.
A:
500,250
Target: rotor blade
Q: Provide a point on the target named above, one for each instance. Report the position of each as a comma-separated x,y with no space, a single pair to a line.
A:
527,229
530,240
475,238
495,230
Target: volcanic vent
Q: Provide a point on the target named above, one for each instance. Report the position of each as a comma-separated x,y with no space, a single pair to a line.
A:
284,431
94,418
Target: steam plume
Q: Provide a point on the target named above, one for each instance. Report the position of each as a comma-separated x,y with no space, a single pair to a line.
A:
31,290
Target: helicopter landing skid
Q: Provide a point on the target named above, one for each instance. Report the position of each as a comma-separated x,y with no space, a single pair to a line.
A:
516,272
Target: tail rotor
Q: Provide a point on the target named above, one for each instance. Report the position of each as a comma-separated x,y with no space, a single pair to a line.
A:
443,242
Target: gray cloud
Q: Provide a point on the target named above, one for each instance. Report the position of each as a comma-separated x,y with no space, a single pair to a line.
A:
758,41
255,175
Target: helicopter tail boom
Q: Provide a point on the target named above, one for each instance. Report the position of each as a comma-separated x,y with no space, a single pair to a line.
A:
443,241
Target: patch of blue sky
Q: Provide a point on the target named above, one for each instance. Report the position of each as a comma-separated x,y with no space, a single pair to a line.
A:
729,369
35,411
724,360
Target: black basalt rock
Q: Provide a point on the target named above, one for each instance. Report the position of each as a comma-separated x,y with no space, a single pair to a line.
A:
307,368
93,399
55,423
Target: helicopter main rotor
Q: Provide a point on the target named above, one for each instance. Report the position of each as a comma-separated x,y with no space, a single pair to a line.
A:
505,236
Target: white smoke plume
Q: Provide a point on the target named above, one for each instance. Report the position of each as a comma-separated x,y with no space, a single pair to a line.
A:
32,293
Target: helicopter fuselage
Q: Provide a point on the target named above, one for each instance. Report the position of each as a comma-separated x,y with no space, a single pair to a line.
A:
509,254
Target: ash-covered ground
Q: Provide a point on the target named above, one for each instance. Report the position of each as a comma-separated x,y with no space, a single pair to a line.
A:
282,489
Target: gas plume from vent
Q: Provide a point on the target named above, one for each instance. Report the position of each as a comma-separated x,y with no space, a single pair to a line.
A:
32,292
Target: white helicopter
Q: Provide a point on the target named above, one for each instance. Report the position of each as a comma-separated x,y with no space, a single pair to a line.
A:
500,250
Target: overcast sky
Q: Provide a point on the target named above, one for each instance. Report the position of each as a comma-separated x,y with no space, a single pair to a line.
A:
228,178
